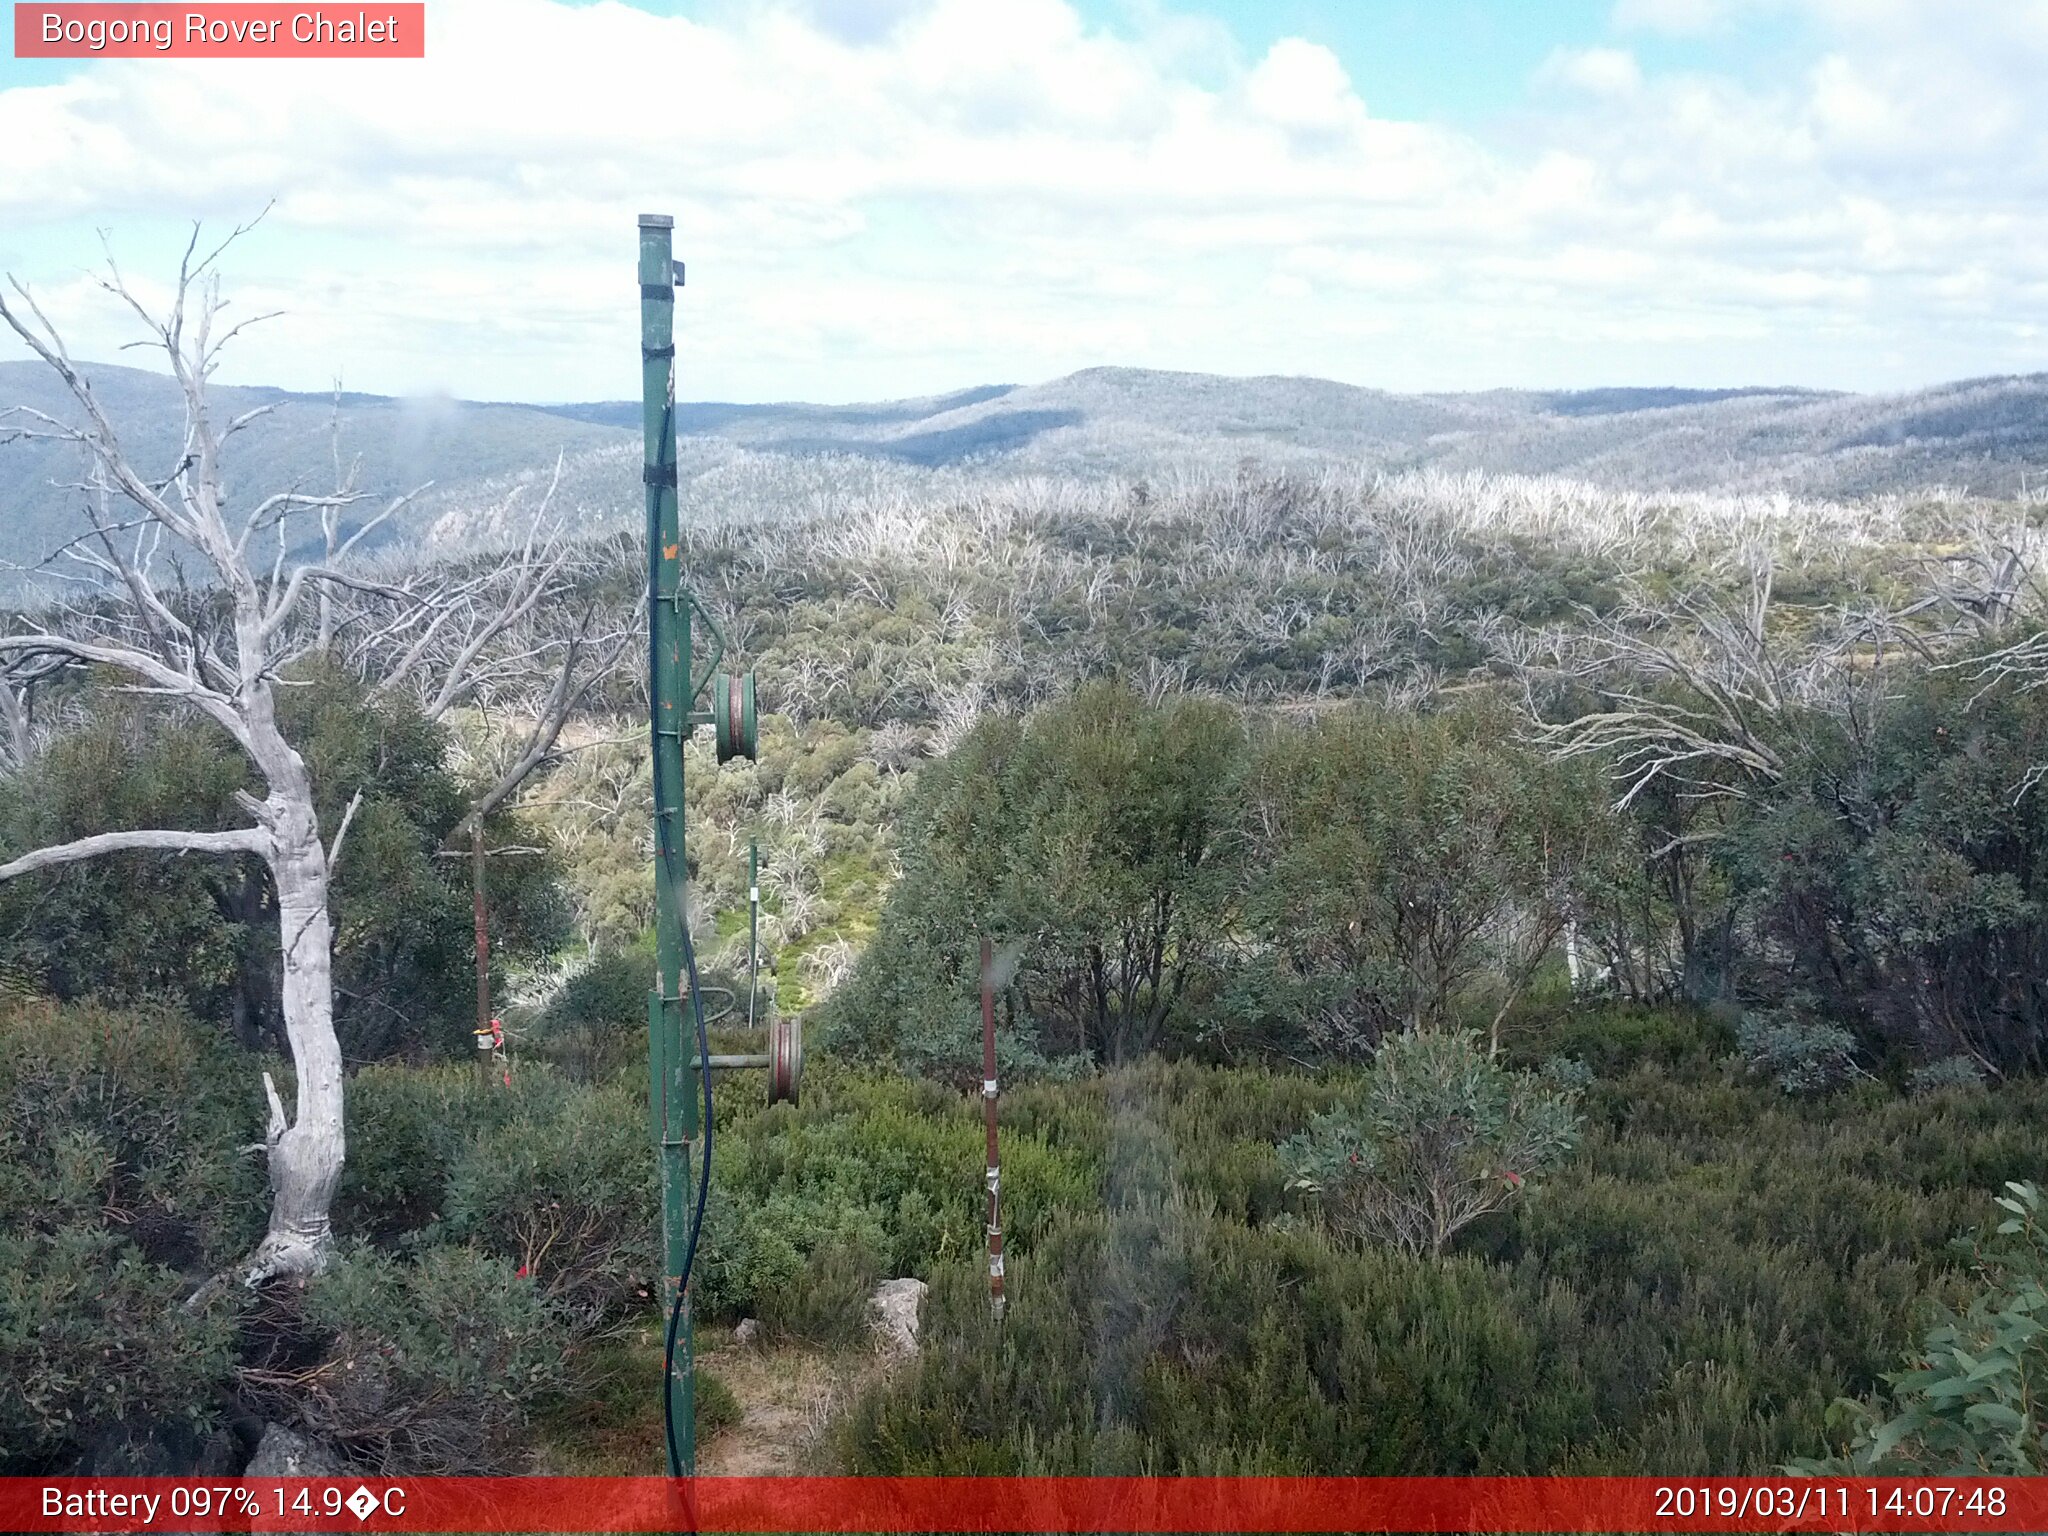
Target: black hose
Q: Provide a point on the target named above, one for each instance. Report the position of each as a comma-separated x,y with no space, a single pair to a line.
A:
682,920
675,1306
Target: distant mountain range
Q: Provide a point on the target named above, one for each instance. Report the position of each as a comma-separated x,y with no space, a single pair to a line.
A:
1990,435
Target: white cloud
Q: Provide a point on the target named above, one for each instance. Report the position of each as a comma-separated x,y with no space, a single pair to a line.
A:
897,196
1596,71
1302,87
1361,269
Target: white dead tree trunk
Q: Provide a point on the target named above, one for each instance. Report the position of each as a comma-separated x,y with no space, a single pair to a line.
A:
220,655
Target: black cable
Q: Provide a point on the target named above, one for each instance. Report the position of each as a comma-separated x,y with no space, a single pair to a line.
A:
675,1307
682,920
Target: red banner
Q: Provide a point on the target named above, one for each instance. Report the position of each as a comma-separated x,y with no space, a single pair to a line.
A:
1023,1504
376,30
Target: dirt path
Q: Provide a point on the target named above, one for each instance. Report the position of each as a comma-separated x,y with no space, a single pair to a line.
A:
785,1394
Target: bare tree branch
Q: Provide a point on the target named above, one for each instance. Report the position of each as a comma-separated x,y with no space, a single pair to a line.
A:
247,840
355,803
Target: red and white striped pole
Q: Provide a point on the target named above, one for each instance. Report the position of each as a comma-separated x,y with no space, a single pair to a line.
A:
988,1105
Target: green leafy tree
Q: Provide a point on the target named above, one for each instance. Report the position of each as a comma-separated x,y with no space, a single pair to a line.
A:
1404,870
1121,809
1897,877
1091,842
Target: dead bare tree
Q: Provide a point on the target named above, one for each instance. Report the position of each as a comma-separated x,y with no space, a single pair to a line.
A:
1983,590
1689,691
221,656
1709,698
339,545
494,637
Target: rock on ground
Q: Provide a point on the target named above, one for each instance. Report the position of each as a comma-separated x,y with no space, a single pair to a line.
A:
286,1453
894,1311
748,1332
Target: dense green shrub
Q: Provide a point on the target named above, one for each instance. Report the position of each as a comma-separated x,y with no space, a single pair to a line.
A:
122,1185
1688,1293
826,1302
1970,1404
1163,1339
1890,878
405,1125
870,1178
1612,1038
549,1174
1802,1056
597,1022
93,1335
130,1119
1949,1074
431,1365
564,1187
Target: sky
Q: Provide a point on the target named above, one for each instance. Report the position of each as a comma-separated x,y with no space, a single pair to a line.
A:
889,198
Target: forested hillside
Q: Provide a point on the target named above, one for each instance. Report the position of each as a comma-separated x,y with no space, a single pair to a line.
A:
1129,426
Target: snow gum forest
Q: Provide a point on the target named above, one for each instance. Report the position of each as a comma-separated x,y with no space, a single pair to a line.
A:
1523,928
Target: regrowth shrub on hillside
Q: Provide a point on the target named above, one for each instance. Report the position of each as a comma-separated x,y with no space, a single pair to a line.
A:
1441,1135
1804,1057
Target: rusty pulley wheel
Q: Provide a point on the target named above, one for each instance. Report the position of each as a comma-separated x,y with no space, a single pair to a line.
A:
733,722
785,1059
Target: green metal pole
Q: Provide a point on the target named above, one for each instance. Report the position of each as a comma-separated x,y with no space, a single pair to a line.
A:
673,1089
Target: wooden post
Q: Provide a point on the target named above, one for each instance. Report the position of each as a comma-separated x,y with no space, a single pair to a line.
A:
484,1053
988,1103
